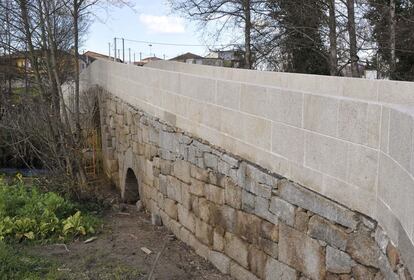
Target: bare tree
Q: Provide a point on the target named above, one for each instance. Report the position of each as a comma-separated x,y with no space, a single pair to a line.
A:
352,37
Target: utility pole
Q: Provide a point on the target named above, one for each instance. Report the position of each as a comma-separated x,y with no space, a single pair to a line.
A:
119,53
109,50
129,53
123,51
115,49
140,56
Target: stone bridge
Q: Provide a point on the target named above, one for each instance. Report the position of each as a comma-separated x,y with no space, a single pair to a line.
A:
266,175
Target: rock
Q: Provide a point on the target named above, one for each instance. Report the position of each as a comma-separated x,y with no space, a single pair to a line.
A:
381,238
236,249
361,272
204,232
309,200
301,221
257,261
240,273
322,229
139,205
197,187
269,231
218,239
199,173
211,161
186,218
283,210
262,210
248,227
393,256
275,270
248,202
214,194
171,208
337,261
301,252
221,261
269,247
233,195
181,170
156,219
363,249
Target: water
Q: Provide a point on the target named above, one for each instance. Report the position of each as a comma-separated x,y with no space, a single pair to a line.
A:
26,172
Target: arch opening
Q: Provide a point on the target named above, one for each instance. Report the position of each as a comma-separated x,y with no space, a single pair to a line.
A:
131,191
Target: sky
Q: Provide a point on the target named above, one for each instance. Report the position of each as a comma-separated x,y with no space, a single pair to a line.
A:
150,21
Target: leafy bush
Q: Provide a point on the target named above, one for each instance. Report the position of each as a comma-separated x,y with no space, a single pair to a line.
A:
28,214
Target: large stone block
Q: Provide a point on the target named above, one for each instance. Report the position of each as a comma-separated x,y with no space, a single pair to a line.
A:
204,232
240,273
171,208
363,249
316,203
214,194
248,227
186,218
276,270
337,261
257,261
233,195
182,171
269,231
283,210
224,217
262,210
236,249
322,229
301,252
221,261
197,187
174,189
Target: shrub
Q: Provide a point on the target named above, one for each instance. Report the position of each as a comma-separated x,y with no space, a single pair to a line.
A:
29,214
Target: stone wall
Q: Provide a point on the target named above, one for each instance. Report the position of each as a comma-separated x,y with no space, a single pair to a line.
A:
250,223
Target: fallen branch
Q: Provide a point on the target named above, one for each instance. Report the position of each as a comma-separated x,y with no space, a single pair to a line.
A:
157,258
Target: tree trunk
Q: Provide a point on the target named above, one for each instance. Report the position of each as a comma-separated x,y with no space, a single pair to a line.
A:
392,37
247,34
352,38
76,56
333,57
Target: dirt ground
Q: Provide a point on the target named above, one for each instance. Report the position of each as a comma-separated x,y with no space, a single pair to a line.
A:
117,253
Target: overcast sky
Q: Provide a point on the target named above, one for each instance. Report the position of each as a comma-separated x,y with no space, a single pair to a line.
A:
146,21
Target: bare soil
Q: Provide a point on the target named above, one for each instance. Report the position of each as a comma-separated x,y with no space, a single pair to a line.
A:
117,253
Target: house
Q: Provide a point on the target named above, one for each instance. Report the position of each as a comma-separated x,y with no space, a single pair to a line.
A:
188,58
229,58
91,56
146,60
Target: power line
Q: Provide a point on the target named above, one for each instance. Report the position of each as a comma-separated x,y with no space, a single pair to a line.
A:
179,45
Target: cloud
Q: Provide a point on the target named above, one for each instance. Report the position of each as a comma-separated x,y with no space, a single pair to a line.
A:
163,24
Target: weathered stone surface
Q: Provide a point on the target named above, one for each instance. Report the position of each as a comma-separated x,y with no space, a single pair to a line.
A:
199,174
257,261
221,261
276,270
204,232
181,170
311,201
171,208
156,219
262,210
361,272
381,238
211,161
269,247
393,256
214,194
283,210
269,231
248,227
322,229
363,249
236,249
186,218
197,187
218,239
240,273
174,189
338,261
205,209
301,252
186,196
301,221
248,201
224,217
233,195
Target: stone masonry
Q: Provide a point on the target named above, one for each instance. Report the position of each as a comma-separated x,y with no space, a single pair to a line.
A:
248,222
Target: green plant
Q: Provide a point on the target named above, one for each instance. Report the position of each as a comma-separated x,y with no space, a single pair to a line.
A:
27,214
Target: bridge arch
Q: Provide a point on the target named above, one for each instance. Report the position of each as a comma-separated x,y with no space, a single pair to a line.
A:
131,188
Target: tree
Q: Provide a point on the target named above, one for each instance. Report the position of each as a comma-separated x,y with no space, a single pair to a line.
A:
231,13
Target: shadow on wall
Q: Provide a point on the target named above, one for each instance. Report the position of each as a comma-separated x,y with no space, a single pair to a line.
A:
131,192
